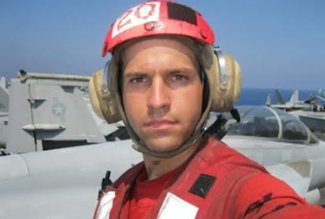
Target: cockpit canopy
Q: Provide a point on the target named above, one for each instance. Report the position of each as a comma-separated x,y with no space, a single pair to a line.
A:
267,122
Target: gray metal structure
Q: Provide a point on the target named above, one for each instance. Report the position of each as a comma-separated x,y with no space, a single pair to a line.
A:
50,111
4,96
4,108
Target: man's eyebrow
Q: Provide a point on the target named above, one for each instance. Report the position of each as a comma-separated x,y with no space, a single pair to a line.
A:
133,73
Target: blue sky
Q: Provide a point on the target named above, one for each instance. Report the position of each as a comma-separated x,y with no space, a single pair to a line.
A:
279,43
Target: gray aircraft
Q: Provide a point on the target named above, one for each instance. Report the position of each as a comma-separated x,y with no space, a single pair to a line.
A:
311,111
283,144
311,103
58,149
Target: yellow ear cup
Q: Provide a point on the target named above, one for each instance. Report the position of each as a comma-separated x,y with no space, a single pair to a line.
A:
224,96
101,99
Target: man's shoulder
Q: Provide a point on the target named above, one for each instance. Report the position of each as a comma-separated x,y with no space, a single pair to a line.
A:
217,153
263,195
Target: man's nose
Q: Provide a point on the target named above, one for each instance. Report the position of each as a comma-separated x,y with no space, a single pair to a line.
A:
159,95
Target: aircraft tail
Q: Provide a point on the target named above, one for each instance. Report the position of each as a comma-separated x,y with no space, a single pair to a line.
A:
279,97
294,97
268,101
321,92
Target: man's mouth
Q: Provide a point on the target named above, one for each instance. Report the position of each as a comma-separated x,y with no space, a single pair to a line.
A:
160,124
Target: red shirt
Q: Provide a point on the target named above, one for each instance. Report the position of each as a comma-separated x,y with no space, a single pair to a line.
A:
145,193
242,189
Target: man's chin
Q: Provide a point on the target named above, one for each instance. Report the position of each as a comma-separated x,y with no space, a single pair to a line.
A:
163,144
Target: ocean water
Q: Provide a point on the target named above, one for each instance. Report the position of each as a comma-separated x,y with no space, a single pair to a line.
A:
257,96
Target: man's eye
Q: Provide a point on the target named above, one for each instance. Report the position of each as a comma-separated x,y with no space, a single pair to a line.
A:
178,77
138,80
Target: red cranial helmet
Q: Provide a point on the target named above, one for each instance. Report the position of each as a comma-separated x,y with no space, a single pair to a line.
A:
158,18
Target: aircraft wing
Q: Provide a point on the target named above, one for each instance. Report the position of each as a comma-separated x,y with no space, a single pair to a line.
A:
60,183
303,176
296,174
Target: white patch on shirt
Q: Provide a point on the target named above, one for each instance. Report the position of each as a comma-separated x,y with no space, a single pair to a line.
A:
105,205
174,207
141,14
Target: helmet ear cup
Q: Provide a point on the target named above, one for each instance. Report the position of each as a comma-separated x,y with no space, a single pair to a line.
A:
101,99
226,88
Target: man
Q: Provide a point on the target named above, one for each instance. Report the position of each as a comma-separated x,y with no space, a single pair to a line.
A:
164,78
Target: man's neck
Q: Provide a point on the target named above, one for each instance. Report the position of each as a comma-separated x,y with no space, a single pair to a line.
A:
157,167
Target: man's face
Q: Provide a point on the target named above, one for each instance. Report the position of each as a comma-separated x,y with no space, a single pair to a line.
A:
162,92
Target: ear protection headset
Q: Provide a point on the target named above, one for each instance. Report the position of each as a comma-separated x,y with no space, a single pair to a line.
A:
224,78
167,19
